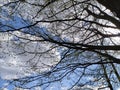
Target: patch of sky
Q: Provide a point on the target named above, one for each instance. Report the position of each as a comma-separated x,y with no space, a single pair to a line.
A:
17,22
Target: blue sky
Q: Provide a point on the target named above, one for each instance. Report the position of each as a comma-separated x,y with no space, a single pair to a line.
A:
18,22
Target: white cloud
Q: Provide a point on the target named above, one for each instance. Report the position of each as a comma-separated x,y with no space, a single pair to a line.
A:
15,66
118,88
4,89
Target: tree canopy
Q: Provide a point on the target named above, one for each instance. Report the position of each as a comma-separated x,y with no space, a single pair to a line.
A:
68,42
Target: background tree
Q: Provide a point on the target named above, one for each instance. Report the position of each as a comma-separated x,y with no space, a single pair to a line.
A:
83,35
